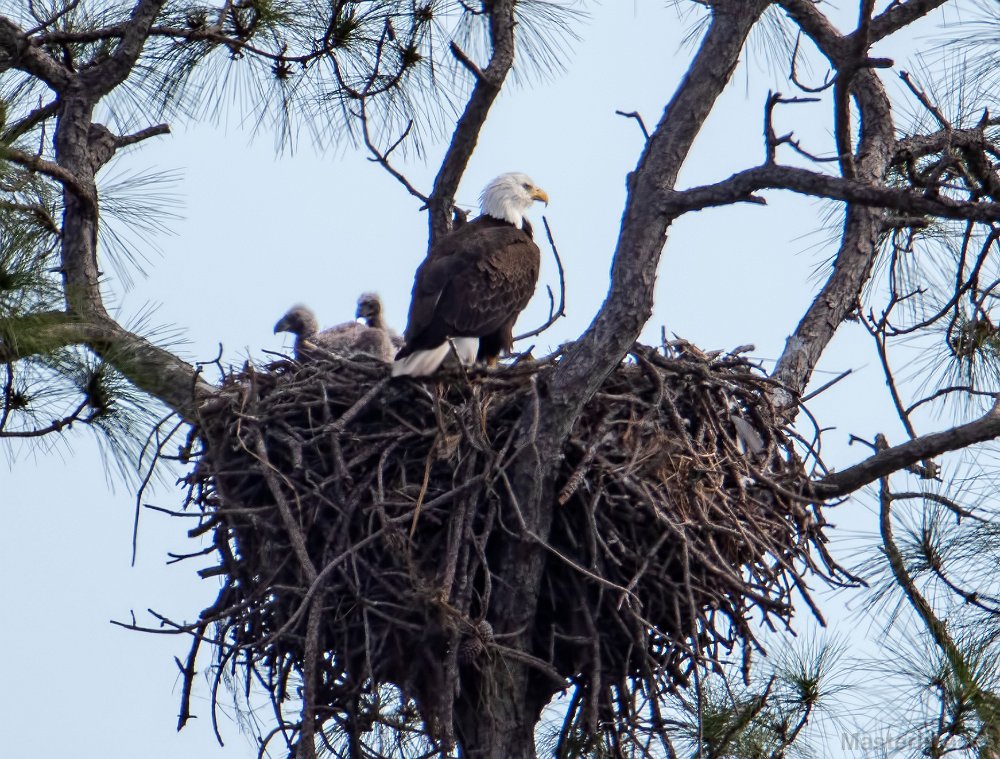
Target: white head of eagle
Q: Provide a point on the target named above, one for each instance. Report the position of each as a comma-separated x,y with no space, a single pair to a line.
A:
509,195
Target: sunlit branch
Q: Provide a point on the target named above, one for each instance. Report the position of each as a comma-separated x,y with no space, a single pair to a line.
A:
925,102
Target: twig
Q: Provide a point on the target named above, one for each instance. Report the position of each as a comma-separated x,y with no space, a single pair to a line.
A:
635,115
554,313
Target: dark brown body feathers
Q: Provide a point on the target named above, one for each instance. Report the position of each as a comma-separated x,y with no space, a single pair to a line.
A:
473,283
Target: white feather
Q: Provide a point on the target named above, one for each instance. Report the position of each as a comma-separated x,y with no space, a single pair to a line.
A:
426,362
421,363
466,348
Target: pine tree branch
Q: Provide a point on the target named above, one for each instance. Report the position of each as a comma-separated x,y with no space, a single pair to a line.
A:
855,258
890,460
52,170
487,87
741,187
18,51
103,77
647,216
985,702
922,145
898,16
150,368
143,134
27,123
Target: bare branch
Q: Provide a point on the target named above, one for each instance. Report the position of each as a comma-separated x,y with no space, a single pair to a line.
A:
470,123
52,170
741,186
466,61
828,81
108,74
771,140
826,385
948,503
382,159
925,101
635,115
142,134
555,313
818,28
890,460
859,247
898,16
17,51
878,335
647,216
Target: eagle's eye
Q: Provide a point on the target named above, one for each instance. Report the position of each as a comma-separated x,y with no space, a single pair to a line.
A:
526,186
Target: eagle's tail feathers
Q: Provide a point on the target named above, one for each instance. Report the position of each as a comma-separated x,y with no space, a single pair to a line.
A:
466,348
421,363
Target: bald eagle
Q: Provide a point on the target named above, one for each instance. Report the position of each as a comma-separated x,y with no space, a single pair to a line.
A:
347,339
474,283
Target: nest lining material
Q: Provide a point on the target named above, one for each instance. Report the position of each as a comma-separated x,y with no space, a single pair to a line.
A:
381,502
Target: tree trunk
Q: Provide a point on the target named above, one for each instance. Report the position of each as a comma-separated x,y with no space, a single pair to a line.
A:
497,711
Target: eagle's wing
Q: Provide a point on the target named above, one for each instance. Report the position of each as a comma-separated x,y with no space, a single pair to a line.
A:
495,287
471,285
433,277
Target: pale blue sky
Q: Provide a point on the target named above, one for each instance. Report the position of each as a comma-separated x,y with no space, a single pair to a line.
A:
261,232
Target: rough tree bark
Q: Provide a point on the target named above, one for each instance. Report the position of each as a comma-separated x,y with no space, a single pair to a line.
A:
869,163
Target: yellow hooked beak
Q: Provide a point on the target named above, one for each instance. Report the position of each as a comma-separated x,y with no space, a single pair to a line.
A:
539,194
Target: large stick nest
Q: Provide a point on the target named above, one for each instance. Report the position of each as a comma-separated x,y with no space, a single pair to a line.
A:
681,519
